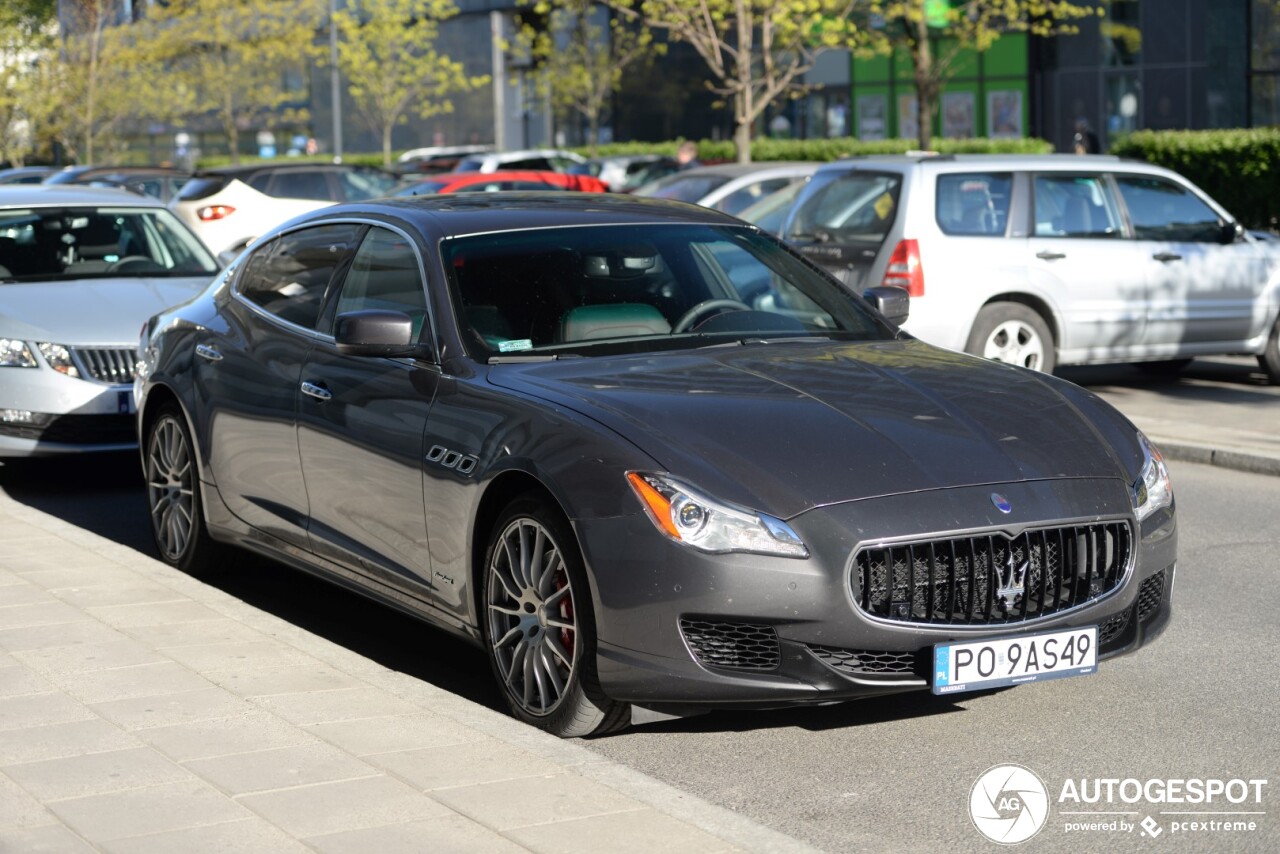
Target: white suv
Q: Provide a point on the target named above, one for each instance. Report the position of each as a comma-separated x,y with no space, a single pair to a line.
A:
1047,260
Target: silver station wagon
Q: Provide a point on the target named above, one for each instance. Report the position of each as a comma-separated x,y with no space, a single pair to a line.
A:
1047,260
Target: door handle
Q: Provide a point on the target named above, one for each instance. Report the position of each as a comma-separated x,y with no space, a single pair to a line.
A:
204,351
319,392
1046,255
1167,256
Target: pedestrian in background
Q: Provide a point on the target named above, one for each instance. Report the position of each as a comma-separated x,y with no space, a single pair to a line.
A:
687,154
1085,140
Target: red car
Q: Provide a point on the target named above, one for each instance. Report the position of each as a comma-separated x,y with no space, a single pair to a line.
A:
492,182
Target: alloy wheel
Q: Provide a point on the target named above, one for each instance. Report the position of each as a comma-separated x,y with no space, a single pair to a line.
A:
1016,343
532,625
170,487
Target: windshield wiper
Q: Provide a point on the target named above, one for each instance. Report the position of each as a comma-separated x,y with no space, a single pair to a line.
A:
513,359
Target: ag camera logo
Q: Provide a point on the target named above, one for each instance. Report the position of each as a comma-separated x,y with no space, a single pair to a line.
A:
1009,804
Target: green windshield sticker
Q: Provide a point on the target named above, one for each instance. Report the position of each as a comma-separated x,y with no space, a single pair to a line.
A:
512,346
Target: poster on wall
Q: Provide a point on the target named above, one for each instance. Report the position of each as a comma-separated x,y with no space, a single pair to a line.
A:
908,127
1004,114
957,115
873,118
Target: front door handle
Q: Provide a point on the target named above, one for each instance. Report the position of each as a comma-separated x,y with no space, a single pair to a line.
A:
1167,256
204,351
1046,255
319,392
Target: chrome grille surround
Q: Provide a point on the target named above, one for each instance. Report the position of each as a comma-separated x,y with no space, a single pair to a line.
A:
108,365
992,577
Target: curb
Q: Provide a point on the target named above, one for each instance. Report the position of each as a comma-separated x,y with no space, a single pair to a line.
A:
1189,452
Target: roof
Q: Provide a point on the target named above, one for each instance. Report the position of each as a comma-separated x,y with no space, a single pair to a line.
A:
62,195
1013,161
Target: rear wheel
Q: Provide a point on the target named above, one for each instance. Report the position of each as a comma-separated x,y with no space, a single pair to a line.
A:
1013,333
539,625
173,496
1269,359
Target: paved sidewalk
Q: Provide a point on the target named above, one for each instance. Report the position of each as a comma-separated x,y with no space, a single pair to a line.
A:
143,711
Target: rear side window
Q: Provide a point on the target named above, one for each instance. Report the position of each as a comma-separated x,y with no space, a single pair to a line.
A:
1163,210
974,203
854,207
1075,206
288,276
201,187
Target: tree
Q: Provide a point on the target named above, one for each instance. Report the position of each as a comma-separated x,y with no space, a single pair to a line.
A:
387,52
231,58
917,25
756,50
582,57
27,39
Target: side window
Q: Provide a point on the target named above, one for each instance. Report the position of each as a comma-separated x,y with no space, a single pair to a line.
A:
537,164
384,275
288,276
973,203
1075,206
1163,210
301,185
360,185
740,200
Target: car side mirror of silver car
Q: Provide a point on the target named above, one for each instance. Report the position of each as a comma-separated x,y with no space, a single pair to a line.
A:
389,334
894,303
1230,233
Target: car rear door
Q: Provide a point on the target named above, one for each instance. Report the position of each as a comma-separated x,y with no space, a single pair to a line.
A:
248,367
1077,254
1200,289
361,422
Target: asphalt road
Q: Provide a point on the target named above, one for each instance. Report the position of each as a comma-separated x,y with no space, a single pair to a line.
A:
893,773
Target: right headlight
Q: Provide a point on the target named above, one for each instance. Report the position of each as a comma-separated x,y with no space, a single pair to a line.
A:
16,354
59,358
1153,489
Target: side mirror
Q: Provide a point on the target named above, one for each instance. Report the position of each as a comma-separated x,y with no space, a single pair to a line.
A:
375,333
1230,232
894,303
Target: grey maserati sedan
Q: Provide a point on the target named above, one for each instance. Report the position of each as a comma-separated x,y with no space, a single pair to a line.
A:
644,455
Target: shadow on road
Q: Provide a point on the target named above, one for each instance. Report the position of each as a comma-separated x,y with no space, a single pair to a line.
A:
1228,380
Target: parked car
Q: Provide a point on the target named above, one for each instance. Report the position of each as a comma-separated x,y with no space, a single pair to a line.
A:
728,187
229,207
1047,260
624,173
771,212
26,174
81,269
159,182
492,182
539,159
435,159
549,424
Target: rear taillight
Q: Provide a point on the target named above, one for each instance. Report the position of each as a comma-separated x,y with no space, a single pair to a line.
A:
212,212
905,270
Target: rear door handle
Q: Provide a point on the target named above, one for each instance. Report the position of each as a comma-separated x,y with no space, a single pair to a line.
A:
204,351
319,392
1046,255
1167,256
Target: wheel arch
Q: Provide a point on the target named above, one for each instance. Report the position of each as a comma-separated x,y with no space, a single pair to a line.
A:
158,396
1037,304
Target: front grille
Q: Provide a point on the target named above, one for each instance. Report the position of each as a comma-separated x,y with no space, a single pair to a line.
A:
113,365
1150,595
991,578
742,646
863,661
1112,628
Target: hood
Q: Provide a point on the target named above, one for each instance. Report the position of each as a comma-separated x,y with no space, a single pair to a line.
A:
786,427
89,312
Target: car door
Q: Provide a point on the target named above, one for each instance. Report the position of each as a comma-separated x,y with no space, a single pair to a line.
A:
361,422
1201,289
247,372
1077,254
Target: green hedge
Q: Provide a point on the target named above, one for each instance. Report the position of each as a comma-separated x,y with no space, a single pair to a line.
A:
1239,168
823,150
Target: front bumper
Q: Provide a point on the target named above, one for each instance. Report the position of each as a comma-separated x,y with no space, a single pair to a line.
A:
44,413
680,628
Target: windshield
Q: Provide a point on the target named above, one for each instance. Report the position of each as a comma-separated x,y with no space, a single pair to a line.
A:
847,208
45,244
600,290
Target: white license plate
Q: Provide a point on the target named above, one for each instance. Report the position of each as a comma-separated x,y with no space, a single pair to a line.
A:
975,665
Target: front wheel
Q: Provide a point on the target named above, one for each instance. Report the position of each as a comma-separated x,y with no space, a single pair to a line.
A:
1013,333
1269,359
539,626
173,496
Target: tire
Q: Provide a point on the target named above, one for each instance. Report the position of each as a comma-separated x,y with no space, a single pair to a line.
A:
173,497
539,624
1269,359
1013,333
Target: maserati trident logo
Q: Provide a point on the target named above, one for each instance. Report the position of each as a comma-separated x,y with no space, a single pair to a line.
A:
1012,578
1001,503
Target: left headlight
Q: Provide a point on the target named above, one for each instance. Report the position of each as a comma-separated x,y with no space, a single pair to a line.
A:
1153,489
16,354
701,522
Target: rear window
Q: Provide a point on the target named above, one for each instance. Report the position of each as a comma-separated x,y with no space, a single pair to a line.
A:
854,207
201,187
974,203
